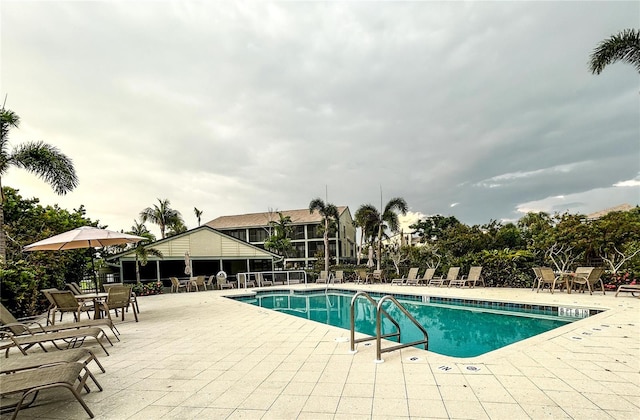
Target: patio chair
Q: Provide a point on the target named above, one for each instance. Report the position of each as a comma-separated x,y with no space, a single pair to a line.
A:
134,297
221,279
119,298
537,275
198,282
452,274
411,275
428,275
30,382
377,275
474,276
33,361
323,277
547,276
66,302
261,281
588,276
631,288
31,326
339,277
362,276
176,285
209,283
245,281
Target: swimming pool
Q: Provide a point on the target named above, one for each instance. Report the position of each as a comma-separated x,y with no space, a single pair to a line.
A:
456,328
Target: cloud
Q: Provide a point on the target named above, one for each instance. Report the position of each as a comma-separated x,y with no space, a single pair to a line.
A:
473,110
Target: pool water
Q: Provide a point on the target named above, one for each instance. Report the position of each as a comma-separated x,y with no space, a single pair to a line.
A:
453,331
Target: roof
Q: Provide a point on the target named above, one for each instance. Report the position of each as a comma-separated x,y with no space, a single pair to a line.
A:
302,216
599,214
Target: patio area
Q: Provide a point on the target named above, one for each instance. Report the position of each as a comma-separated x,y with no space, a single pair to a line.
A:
200,355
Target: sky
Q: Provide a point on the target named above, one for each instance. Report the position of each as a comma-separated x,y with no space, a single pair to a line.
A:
479,110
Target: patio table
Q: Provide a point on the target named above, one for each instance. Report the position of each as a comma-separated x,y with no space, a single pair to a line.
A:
96,298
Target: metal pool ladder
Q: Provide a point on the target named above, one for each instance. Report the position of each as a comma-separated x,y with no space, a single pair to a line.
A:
379,336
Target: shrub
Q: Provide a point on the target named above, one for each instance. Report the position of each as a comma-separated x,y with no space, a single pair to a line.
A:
146,289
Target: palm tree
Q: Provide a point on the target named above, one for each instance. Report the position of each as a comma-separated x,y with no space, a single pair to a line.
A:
198,213
624,46
280,240
42,159
366,218
389,220
142,253
162,215
328,212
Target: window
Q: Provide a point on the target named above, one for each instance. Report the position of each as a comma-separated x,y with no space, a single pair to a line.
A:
313,231
258,235
237,233
297,232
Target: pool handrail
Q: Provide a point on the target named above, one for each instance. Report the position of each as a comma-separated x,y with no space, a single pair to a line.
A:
379,349
352,314
248,274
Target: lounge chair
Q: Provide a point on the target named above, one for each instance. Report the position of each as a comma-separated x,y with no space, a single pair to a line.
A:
411,275
16,364
176,285
547,276
452,274
339,277
30,327
588,276
323,277
428,275
72,338
474,277
31,382
631,288
75,288
119,298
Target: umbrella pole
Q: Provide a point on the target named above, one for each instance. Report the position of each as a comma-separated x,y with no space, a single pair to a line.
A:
93,271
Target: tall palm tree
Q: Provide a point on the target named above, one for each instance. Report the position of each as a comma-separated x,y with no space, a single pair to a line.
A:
366,218
162,215
198,214
42,159
142,253
389,220
624,46
328,212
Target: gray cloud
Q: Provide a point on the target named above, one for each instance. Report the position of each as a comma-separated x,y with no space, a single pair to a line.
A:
235,107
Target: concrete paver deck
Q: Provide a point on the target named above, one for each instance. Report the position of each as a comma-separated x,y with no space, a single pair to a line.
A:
200,355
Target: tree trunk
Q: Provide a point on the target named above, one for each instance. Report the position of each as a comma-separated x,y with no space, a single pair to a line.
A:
379,247
326,245
137,270
3,238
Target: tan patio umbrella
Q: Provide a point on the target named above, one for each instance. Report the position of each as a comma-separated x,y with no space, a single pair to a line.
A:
187,263
84,237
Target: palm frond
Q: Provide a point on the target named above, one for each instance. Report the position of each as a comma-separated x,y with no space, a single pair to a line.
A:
48,163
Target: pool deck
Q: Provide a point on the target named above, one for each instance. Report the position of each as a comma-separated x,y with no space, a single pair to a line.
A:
202,356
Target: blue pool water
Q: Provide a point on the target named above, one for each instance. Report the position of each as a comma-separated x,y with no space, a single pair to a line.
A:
453,330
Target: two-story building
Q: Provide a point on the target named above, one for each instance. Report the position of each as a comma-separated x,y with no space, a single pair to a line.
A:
306,237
